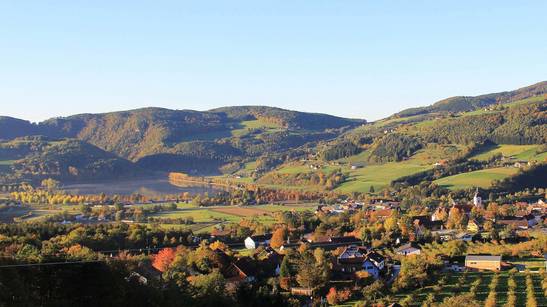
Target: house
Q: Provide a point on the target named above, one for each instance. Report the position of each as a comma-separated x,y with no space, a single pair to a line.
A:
235,274
255,241
377,259
474,226
409,249
482,262
371,268
514,222
424,222
373,264
357,258
351,259
302,291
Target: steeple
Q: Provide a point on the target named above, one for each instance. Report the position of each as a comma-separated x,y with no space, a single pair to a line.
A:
477,200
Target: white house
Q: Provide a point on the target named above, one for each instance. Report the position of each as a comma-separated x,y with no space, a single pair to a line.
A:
409,249
371,268
255,241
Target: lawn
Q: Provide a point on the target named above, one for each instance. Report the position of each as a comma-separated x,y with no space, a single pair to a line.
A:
481,178
519,152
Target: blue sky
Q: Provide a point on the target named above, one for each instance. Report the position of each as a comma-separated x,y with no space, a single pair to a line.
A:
365,59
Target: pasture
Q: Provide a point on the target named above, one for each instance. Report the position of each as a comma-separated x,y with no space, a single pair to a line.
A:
481,178
518,152
378,176
205,218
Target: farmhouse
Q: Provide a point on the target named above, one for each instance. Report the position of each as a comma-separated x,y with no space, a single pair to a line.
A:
514,222
482,262
255,241
351,259
356,258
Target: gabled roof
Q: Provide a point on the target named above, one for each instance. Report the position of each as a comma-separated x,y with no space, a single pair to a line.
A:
407,246
260,238
375,257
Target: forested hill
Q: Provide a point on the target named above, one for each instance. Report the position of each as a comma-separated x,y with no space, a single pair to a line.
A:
35,157
186,140
138,133
251,141
471,103
286,118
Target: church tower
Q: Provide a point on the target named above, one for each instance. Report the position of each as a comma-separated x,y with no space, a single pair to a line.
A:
477,200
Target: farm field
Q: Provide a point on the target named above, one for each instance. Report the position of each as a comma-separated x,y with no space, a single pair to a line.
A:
206,218
461,283
7,215
482,178
519,152
300,168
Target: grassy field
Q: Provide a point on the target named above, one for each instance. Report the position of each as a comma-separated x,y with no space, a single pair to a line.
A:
206,218
379,175
360,180
27,213
519,152
481,178
249,125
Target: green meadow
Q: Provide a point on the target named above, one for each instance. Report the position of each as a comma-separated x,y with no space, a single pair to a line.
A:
482,178
519,152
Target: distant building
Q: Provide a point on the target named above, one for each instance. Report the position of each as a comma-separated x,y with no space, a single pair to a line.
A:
515,222
357,258
480,262
409,249
477,200
255,241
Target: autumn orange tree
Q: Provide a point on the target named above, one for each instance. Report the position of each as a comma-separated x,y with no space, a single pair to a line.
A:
163,259
278,237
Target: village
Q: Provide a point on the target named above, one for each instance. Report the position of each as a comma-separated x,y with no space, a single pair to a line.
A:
357,260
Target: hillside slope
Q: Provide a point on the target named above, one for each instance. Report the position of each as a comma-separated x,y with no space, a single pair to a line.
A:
36,158
470,103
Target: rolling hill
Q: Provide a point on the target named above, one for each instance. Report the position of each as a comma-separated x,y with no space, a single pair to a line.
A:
471,103
185,140
454,141
35,158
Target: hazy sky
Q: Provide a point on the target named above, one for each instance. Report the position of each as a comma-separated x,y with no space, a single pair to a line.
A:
363,59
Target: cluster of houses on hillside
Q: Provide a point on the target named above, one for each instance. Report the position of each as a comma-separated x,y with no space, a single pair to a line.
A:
350,255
